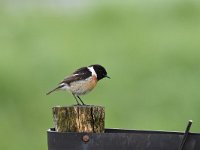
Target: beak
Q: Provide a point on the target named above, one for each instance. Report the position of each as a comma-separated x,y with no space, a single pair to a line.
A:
107,77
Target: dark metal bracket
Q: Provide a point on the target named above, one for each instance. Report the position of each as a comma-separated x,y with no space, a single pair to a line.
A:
121,139
184,140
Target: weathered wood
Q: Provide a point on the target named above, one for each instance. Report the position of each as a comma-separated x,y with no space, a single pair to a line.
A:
76,118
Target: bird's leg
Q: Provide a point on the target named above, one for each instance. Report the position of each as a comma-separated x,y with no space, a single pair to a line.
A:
76,99
80,100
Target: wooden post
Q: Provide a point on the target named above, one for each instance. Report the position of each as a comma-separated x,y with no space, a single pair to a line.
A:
76,118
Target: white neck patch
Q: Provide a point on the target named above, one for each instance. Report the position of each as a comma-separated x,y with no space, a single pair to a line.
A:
92,70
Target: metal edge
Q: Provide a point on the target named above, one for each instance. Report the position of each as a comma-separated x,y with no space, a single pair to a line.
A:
117,130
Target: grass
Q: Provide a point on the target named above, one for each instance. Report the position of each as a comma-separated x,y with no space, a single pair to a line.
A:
151,53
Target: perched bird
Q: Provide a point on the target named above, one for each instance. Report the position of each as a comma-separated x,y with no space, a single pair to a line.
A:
82,81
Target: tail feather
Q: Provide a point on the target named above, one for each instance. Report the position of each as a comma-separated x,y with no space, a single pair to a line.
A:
57,88
53,90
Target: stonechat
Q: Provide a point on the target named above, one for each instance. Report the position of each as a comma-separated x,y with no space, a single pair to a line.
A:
82,81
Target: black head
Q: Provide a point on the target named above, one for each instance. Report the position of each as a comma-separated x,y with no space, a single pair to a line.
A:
100,71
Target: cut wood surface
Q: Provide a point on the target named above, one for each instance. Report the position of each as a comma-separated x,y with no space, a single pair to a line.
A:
86,118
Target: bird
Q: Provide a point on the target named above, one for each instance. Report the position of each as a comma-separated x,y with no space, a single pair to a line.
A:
82,81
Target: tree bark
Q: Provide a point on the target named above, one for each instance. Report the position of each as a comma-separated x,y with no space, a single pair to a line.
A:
76,118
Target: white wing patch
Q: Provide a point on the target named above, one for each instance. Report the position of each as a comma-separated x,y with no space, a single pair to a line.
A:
65,86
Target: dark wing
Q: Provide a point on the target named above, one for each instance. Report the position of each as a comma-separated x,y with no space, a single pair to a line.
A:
81,70
80,74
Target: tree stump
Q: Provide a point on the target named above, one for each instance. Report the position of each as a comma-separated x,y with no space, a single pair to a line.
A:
79,118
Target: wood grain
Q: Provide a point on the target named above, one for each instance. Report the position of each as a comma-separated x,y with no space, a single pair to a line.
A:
77,118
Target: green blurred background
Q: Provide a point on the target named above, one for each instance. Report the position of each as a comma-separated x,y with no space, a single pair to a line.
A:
151,49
